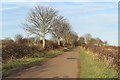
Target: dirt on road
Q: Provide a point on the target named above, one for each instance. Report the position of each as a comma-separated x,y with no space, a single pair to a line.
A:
62,66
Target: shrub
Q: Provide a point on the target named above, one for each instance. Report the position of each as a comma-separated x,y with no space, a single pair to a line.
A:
26,49
19,51
50,45
106,53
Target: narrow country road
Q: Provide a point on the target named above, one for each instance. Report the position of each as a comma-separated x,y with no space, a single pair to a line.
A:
62,66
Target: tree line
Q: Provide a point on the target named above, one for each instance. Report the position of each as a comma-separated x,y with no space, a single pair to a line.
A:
87,39
44,20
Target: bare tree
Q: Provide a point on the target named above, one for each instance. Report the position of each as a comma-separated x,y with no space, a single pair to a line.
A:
72,38
93,41
58,28
99,42
87,37
81,41
65,31
18,38
40,21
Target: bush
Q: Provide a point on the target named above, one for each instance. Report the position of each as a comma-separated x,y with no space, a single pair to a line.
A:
50,45
15,50
19,51
6,42
106,53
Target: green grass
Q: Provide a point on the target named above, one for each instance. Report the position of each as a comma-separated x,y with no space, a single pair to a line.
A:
19,64
93,68
53,53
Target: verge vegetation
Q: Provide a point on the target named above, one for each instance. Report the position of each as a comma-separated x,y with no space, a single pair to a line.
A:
91,67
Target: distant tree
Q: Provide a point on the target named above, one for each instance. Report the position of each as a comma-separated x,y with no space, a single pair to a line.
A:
99,41
87,37
65,32
72,38
105,43
93,41
40,21
81,41
18,38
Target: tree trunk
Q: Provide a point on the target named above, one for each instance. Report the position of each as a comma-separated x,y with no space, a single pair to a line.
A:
43,39
58,42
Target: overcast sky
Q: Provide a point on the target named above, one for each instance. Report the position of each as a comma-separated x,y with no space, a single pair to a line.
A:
98,18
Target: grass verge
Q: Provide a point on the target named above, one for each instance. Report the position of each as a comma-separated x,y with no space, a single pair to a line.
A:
19,64
23,63
92,68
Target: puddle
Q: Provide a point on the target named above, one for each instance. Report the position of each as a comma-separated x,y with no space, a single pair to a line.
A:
71,58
